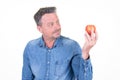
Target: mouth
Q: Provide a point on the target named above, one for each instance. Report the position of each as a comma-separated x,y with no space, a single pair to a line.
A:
58,31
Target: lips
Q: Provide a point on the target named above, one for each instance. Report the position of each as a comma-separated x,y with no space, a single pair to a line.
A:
57,31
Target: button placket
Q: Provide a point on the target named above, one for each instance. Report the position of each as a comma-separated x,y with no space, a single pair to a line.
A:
48,63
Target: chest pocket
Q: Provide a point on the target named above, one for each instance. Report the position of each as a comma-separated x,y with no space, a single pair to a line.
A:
62,67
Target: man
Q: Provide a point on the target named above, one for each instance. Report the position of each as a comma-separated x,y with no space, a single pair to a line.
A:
55,57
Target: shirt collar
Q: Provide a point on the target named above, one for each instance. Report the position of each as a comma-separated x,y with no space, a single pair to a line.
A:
58,42
42,44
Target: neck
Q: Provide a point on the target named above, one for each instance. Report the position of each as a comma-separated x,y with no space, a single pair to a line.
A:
49,42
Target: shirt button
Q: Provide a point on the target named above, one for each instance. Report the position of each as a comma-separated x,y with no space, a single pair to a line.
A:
48,62
48,50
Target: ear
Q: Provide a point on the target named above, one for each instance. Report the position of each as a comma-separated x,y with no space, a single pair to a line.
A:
39,28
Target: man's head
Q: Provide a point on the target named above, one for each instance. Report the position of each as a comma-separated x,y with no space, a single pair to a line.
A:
48,22
41,12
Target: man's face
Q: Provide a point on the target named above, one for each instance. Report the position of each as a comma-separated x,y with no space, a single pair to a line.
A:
50,27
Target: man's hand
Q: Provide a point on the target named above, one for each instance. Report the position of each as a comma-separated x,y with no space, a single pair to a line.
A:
90,41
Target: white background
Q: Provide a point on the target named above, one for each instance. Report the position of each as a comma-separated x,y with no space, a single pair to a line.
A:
17,27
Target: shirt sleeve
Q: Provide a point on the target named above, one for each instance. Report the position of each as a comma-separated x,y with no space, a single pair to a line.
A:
26,70
82,68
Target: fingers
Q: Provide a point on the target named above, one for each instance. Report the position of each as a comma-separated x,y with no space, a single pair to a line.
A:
92,35
91,38
96,35
87,37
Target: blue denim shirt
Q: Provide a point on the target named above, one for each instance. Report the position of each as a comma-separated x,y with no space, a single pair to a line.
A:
61,62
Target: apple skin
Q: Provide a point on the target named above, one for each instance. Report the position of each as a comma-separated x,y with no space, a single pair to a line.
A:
90,28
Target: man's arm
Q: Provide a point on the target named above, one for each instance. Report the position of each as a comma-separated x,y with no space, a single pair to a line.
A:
90,41
82,68
81,63
26,70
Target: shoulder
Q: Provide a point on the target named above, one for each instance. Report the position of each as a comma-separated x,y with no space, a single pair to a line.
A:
34,42
68,41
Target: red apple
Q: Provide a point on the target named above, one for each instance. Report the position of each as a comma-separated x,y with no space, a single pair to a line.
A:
90,28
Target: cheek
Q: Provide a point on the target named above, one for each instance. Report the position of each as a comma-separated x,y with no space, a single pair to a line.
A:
47,31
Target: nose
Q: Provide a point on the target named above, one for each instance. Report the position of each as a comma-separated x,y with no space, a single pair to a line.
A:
57,26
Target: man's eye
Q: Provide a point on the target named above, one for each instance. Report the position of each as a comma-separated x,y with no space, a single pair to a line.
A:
50,24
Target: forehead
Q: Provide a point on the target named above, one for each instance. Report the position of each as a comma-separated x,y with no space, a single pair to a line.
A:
49,17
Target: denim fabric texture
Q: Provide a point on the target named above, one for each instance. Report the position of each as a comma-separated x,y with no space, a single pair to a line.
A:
61,62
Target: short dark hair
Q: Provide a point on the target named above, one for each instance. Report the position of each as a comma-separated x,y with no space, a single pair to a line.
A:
38,15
